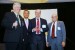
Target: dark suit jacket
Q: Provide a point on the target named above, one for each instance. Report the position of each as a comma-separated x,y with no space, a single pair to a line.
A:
27,32
42,35
11,34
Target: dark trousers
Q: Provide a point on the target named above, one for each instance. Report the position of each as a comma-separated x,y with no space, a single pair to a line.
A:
10,46
23,46
37,44
17,46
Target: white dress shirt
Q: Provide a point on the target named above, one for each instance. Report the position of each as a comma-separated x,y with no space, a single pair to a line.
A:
55,29
26,22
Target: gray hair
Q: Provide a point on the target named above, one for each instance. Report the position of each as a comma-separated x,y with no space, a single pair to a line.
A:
17,4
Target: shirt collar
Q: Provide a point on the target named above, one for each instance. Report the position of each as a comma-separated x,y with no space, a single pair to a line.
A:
54,22
37,18
16,14
25,19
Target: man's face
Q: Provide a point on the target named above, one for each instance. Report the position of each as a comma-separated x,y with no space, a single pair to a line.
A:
54,18
26,14
16,8
37,13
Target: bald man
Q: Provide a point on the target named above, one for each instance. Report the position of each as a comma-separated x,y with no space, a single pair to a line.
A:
56,34
39,27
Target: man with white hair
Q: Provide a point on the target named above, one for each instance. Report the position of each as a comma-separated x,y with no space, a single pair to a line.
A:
56,34
13,24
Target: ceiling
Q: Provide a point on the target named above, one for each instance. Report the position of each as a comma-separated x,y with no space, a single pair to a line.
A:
35,1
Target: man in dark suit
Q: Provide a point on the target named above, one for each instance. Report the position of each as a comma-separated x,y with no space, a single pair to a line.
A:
39,27
14,25
25,44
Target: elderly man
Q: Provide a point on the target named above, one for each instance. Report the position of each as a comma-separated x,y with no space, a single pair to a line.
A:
14,25
39,27
56,34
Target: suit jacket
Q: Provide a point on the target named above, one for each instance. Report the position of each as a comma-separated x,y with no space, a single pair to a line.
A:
61,32
11,34
27,32
42,35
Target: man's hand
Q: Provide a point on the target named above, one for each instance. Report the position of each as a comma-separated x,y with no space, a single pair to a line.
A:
36,29
63,44
47,44
15,24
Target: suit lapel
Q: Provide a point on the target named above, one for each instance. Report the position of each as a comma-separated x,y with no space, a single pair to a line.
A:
57,27
50,28
34,22
25,25
41,22
14,15
28,23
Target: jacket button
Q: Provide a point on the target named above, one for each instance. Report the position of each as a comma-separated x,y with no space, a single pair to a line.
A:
23,39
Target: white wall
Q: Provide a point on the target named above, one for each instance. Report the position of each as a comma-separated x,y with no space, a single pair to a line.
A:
45,14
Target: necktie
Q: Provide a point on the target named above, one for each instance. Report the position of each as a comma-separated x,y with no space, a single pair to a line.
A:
53,30
18,19
22,23
38,31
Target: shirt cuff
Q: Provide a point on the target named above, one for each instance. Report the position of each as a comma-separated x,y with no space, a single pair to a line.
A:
32,30
41,30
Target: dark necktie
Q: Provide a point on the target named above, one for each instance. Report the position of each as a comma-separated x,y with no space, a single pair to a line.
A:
18,20
53,30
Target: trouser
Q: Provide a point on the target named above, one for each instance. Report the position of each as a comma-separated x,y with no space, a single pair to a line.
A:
23,46
55,45
17,46
11,46
37,44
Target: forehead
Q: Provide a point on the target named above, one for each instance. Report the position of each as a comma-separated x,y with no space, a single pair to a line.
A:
16,5
26,11
38,10
54,16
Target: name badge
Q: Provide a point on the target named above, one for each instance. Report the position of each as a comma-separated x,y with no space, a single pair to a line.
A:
59,28
43,26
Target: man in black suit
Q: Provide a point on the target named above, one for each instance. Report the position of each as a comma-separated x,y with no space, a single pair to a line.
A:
25,44
14,25
39,27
